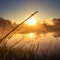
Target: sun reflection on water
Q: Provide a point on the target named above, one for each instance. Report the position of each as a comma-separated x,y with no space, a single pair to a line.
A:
33,38
31,35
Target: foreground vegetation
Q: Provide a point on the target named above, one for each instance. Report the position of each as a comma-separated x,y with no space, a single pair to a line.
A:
26,54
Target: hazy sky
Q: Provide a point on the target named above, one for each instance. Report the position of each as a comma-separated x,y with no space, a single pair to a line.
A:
18,10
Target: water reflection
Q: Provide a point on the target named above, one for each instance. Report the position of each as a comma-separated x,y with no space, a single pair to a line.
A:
31,35
46,40
56,34
42,36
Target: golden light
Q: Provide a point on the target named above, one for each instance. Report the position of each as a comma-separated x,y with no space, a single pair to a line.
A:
31,35
32,21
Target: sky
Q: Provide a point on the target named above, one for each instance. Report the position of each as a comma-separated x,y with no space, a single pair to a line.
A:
18,10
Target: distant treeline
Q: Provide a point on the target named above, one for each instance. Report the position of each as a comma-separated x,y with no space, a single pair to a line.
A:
55,26
7,26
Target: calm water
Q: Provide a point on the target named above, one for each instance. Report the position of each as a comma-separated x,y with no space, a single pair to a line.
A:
50,40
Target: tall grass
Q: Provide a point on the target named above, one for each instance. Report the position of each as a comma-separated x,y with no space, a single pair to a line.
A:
23,53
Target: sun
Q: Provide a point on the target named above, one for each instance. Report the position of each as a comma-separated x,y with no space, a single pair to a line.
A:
31,21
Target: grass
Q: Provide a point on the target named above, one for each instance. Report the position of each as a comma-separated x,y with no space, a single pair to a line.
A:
7,53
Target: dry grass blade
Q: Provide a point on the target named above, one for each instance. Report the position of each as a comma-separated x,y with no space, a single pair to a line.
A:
18,26
16,43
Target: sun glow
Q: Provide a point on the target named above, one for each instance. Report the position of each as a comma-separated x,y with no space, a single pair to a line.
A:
31,35
31,21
